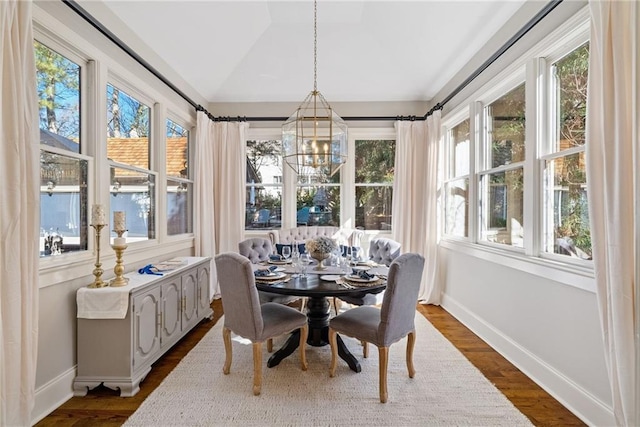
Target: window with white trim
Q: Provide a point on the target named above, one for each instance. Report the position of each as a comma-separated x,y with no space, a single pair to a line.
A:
63,169
128,150
263,209
456,185
179,183
374,172
565,209
501,177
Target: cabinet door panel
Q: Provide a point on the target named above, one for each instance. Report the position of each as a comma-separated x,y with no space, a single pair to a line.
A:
204,277
189,300
146,328
170,309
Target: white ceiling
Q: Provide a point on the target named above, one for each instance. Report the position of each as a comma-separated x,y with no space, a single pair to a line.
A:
262,51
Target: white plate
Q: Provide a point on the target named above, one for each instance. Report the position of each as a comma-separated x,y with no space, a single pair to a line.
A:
288,261
358,279
330,277
361,268
272,276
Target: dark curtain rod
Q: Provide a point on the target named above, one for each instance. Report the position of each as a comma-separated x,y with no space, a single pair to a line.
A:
439,106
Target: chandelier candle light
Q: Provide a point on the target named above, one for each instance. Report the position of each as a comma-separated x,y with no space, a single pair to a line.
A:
98,223
119,245
314,138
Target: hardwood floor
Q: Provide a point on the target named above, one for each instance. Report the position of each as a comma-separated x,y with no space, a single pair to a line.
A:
104,407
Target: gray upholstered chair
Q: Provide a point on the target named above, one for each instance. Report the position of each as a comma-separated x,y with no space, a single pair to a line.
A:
258,249
384,326
245,316
381,251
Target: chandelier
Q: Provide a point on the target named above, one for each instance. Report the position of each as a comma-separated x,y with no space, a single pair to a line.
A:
314,138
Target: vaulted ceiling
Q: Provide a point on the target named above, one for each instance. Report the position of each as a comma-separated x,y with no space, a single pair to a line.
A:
262,51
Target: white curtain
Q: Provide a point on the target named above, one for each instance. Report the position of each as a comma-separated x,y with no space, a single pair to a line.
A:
219,188
414,221
19,214
612,126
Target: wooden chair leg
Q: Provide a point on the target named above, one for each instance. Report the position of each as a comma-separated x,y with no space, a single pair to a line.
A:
226,337
411,341
304,332
365,349
384,359
270,345
257,368
333,341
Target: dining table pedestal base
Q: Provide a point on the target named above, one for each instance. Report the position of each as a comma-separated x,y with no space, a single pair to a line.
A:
318,314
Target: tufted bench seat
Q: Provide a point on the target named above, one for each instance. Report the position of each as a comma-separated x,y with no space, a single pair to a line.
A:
301,234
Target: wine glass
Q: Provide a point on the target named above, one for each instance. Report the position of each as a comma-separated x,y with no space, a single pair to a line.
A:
286,252
305,260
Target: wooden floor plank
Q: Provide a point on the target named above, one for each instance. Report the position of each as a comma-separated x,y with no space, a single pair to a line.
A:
104,407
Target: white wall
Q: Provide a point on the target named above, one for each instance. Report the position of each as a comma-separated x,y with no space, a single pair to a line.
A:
543,319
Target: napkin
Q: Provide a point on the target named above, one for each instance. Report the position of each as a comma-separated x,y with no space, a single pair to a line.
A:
149,269
275,257
362,274
263,272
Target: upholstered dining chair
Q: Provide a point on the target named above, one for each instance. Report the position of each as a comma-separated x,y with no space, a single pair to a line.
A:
382,251
258,249
387,325
245,316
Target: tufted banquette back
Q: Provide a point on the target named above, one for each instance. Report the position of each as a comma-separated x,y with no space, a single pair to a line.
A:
301,234
257,249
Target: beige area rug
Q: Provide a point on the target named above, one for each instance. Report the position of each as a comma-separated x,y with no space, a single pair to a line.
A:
446,390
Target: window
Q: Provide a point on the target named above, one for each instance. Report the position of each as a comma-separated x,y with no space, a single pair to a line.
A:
179,184
374,171
566,218
63,170
263,184
501,181
456,220
132,181
318,198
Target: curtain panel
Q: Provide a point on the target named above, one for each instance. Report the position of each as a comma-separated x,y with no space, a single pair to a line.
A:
19,214
220,176
414,221
611,141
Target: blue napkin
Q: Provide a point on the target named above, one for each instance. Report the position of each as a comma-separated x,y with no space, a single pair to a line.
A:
362,274
275,257
149,269
263,272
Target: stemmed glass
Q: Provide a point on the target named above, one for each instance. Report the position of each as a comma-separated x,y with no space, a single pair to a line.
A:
305,260
295,260
286,252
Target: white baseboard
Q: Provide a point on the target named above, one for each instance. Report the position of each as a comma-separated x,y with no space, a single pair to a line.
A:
578,400
53,394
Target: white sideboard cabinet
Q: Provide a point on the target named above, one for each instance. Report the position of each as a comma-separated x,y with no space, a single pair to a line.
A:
157,311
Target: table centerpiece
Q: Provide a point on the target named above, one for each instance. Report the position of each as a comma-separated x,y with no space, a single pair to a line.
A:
320,248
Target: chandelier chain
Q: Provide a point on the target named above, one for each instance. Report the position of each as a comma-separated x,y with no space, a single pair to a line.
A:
315,46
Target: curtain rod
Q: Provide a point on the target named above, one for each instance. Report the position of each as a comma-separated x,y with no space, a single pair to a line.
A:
439,106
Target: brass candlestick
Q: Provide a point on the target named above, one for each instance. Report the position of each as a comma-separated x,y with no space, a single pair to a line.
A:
119,247
98,282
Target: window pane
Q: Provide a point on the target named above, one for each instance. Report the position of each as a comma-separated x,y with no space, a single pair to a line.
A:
460,149
457,217
133,192
264,184
127,129
566,201
177,150
318,205
570,77
373,207
506,128
502,215
375,161
179,207
63,204
58,86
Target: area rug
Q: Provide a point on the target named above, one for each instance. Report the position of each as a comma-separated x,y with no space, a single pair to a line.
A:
447,389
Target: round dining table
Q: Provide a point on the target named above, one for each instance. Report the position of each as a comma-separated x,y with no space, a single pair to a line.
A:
318,291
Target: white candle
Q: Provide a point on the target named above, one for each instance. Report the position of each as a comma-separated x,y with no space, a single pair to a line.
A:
119,241
119,221
97,215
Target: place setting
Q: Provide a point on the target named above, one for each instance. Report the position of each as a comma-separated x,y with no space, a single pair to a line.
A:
270,275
